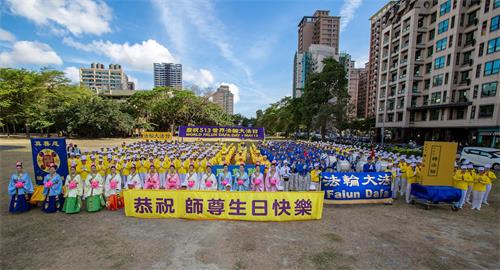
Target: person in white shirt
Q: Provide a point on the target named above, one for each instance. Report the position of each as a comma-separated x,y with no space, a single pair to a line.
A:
285,175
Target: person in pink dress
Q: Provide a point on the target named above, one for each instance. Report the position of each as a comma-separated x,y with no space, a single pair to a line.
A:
273,178
152,179
257,179
172,181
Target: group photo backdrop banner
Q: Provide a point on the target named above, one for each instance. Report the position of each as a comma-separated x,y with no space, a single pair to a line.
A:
354,187
221,132
224,205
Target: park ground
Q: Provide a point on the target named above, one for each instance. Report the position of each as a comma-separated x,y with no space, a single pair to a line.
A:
397,236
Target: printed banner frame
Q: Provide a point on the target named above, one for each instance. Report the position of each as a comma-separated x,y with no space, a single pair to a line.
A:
223,205
45,151
233,132
356,188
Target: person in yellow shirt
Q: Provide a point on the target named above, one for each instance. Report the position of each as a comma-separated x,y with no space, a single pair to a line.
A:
411,177
126,166
479,188
461,181
142,169
470,169
162,168
83,169
101,167
404,180
315,176
492,176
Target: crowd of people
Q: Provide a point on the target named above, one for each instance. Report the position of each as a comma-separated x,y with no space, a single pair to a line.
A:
97,178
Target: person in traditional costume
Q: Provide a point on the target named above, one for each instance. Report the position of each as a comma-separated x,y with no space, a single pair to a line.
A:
208,179
74,192
152,179
94,188
173,181
224,177
257,179
133,179
241,179
273,180
53,184
192,178
20,188
112,190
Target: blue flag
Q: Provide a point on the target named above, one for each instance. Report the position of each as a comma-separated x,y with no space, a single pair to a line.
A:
46,151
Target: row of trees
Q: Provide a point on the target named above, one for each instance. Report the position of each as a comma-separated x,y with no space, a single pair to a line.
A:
44,101
323,106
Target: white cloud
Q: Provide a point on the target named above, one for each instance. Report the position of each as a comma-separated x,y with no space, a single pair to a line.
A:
72,73
140,56
347,12
77,17
234,89
200,14
360,61
30,52
202,78
6,36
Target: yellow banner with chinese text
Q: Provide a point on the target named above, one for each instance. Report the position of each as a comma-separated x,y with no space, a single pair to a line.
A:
246,205
160,136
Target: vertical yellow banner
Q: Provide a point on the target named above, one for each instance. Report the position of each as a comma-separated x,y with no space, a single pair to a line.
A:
438,163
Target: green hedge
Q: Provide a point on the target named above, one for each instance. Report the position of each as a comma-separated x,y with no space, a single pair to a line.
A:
405,151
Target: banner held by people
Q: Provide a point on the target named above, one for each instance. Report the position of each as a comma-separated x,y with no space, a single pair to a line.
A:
356,188
250,206
221,132
46,151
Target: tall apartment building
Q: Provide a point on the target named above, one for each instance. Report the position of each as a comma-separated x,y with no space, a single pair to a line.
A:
224,98
374,57
98,78
439,67
319,29
362,101
310,61
168,75
352,76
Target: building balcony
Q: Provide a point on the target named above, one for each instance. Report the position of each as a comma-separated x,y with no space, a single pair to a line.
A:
459,104
404,46
401,91
403,62
470,42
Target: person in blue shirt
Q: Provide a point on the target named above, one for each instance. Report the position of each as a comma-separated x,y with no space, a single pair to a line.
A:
369,166
20,188
241,181
52,190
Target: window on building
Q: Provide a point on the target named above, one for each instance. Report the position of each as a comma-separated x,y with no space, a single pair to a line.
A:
495,23
441,44
496,3
433,17
445,8
481,49
434,115
473,112
443,26
428,68
437,80
492,67
430,50
439,62
452,22
476,88
460,113
427,84
432,33
486,111
493,45
489,89
446,78
487,5
400,117
478,71
436,98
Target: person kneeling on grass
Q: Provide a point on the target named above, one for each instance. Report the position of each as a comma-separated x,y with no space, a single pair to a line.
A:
20,186
74,192
112,189
94,190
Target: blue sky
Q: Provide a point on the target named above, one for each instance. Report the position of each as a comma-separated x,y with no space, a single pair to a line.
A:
246,44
